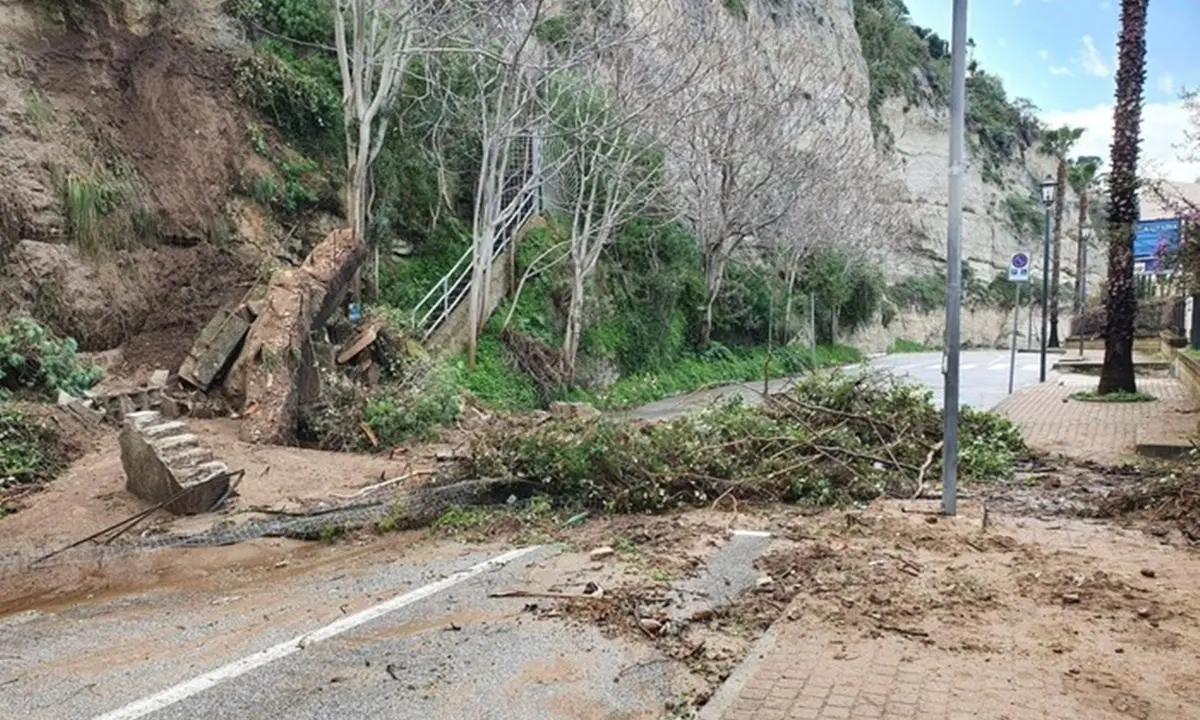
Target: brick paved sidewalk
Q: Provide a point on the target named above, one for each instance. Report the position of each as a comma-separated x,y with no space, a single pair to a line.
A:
1104,432
809,678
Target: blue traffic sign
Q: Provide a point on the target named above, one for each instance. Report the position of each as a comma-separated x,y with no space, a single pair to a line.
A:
1018,267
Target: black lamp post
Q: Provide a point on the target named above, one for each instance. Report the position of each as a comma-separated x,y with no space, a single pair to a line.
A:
1049,187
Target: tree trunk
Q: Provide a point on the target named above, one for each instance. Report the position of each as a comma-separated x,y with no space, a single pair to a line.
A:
1081,270
476,299
1060,202
356,197
787,307
714,271
574,320
1121,307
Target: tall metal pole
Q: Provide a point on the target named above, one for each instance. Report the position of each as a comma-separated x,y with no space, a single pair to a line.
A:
1012,358
1045,290
958,127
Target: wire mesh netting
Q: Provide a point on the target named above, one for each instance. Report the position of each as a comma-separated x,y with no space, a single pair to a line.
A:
390,510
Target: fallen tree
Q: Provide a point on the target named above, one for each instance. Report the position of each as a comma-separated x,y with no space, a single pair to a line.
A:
828,440
274,369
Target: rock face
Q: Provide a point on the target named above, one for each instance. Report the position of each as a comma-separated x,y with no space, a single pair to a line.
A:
165,463
920,188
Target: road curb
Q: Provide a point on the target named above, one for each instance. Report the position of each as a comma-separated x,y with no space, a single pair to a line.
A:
729,691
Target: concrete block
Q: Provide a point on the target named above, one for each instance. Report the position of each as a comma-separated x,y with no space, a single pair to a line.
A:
165,464
214,348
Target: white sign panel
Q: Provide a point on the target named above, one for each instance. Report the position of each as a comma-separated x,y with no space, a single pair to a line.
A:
1018,267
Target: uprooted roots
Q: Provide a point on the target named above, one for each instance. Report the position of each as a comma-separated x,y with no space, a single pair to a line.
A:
829,439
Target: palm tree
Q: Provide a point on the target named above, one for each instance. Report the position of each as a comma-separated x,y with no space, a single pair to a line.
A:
1120,299
1082,176
1057,144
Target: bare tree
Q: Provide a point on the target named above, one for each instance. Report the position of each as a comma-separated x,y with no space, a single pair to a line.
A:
507,72
375,42
612,153
744,162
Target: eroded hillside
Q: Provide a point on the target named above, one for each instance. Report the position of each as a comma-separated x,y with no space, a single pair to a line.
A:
144,183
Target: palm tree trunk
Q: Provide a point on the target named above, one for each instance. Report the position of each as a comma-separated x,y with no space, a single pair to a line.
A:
1121,306
1060,202
1081,270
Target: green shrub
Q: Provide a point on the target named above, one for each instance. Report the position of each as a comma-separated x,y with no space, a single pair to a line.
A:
295,94
32,360
1025,215
900,345
413,413
820,443
29,450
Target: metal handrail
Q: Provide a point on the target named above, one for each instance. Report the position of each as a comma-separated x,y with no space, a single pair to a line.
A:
446,294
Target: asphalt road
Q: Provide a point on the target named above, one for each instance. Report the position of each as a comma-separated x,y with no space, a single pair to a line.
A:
394,635
983,381
983,374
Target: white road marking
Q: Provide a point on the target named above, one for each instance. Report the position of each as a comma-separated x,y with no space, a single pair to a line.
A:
199,684
1030,368
968,366
935,366
998,366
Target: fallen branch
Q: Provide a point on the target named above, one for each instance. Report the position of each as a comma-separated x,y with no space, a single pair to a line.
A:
544,595
933,451
911,632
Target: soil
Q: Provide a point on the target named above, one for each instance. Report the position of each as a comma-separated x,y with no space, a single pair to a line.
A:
91,496
163,102
145,94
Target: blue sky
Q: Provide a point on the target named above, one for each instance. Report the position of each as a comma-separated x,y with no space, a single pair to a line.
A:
1061,54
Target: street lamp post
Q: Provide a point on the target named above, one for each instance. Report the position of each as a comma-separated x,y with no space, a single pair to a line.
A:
1048,189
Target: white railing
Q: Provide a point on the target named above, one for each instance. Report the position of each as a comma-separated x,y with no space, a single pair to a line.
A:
446,294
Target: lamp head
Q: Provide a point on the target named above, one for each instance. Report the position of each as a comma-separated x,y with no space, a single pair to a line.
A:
1049,187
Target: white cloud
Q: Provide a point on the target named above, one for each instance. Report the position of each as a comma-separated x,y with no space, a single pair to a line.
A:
1044,54
1163,126
1060,70
1091,61
1016,2
1166,83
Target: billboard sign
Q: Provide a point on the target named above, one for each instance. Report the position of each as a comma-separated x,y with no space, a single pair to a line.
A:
1155,238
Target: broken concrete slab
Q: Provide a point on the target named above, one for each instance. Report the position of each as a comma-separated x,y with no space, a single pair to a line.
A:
80,408
727,574
216,346
164,463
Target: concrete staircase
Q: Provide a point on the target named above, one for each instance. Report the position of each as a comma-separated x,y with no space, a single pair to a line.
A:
166,464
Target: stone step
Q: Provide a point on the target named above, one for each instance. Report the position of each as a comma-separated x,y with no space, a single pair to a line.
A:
143,418
164,429
184,460
162,460
172,442
205,471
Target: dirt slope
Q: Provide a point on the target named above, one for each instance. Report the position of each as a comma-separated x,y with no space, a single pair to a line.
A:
131,107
